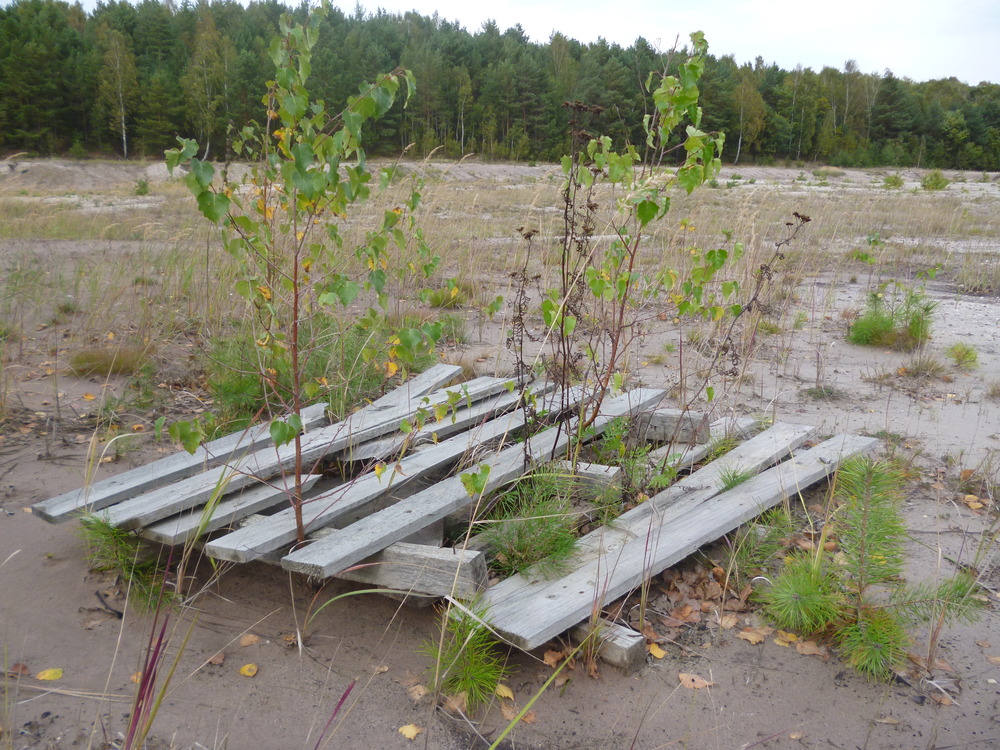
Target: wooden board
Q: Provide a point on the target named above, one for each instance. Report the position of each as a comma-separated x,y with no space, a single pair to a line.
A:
423,570
530,613
355,498
106,492
230,509
368,423
367,536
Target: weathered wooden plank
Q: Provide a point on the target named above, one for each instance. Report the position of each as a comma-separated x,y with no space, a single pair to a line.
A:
529,614
368,423
367,536
618,645
106,492
423,570
685,457
666,425
230,509
453,423
355,498
754,455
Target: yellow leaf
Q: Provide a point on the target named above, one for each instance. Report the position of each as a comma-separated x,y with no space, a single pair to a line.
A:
89,397
410,731
417,693
138,428
391,368
502,691
656,651
752,635
111,336
693,681
50,674
248,670
136,677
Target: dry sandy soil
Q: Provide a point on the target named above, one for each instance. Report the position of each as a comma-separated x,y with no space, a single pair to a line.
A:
55,613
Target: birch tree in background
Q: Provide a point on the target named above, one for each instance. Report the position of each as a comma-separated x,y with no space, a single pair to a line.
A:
118,85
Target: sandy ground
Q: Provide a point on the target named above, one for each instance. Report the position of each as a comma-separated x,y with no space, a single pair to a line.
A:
53,611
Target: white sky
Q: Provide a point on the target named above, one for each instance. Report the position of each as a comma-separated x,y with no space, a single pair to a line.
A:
918,39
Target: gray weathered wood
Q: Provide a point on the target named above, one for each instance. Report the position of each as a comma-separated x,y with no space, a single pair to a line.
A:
355,498
618,645
368,423
367,536
106,492
424,570
666,425
530,614
433,431
230,509
593,481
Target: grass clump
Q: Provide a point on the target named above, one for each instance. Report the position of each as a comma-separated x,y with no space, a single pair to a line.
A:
925,366
734,476
755,544
468,660
111,549
533,528
894,320
963,355
824,393
121,360
934,180
892,182
857,598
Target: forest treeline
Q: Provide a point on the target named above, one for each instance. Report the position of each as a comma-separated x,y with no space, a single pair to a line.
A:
128,79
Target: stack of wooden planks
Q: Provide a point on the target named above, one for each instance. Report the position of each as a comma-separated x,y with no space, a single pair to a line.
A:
384,524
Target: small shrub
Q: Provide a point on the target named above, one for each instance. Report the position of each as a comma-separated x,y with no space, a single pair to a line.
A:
534,527
934,180
963,355
467,658
897,320
142,187
114,550
453,328
825,172
892,182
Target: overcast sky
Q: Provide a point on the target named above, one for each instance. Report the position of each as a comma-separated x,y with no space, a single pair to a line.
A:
918,39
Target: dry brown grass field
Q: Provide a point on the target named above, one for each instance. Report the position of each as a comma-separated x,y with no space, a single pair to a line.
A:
114,294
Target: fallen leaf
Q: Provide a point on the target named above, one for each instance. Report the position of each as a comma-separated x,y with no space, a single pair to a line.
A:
417,693
754,635
509,711
217,659
19,670
136,677
944,700
966,474
693,681
796,735
983,643
455,704
785,638
552,658
993,659
381,669
530,717
89,397
810,648
503,691
887,720
410,731
249,639
50,674
248,670
728,622
138,428
562,680
656,651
